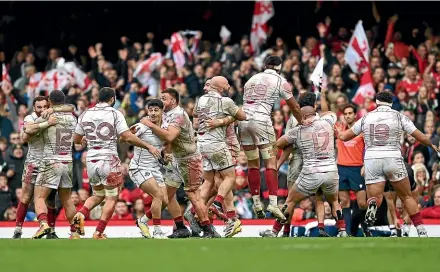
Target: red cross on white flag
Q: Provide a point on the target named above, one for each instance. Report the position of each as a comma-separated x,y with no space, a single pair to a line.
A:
358,51
263,11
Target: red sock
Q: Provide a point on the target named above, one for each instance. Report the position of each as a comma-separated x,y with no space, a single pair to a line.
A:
42,217
21,213
271,176
254,180
205,223
231,214
148,214
219,199
416,219
85,211
340,224
72,228
210,220
277,226
178,221
286,228
156,222
51,217
192,210
101,226
148,200
321,225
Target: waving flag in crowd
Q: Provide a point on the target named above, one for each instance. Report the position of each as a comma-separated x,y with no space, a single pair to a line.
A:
263,12
5,75
80,78
178,48
356,57
145,68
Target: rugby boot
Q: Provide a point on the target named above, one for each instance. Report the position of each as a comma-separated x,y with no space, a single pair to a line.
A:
275,210
214,209
342,233
78,221
17,234
421,231
259,211
52,235
323,233
370,216
180,233
74,236
193,223
99,236
143,227
159,234
268,234
42,231
232,228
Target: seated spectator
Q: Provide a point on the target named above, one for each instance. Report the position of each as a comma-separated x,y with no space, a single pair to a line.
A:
121,211
78,205
6,195
433,212
138,208
10,214
304,211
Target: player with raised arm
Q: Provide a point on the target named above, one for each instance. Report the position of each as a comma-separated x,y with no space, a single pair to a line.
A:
101,126
33,159
212,144
257,134
180,134
55,169
315,140
383,160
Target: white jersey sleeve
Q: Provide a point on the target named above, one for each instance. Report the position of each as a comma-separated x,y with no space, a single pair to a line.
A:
121,124
292,135
229,106
357,128
407,125
79,127
286,90
330,117
140,129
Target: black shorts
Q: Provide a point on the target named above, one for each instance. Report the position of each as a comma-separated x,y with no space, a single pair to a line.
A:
389,187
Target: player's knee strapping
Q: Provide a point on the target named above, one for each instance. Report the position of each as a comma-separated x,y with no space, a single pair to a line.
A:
267,152
252,154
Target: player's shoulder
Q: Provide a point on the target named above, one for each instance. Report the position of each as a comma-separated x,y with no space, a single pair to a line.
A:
226,99
30,118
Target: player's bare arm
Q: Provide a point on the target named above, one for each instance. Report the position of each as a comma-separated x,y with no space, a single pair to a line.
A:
284,156
168,135
132,139
39,125
347,135
59,108
424,140
282,142
294,108
324,104
79,141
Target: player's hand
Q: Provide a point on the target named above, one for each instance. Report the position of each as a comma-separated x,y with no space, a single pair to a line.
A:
154,151
52,120
213,123
134,129
168,157
45,114
436,149
363,171
84,142
338,130
145,121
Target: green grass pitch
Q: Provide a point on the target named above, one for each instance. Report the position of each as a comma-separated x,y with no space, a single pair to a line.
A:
240,254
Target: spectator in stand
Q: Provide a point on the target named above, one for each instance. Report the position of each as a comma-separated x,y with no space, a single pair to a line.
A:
10,214
138,208
15,165
434,211
78,205
6,195
121,211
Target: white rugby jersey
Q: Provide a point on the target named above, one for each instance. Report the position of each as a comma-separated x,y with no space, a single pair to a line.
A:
141,157
58,139
35,143
232,140
316,143
185,144
383,130
213,106
260,93
101,125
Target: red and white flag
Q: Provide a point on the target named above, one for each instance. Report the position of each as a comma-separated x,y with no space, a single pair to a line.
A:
263,12
145,68
5,75
55,79
80,78
178,47
365,90
358,50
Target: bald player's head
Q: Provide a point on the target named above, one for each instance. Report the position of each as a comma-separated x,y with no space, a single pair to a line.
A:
307,111
219,84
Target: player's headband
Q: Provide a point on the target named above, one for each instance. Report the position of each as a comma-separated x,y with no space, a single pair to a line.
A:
381,103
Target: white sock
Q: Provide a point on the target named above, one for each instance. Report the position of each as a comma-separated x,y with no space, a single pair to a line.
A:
144,219
273,200
18,228
256,199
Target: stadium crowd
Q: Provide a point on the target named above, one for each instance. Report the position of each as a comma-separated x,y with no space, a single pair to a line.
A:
409,67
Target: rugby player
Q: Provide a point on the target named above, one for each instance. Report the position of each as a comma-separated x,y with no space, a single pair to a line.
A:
146,171
55,169
315,140
383,160
294,169
180,134
257,134
101,125
33,159
213,147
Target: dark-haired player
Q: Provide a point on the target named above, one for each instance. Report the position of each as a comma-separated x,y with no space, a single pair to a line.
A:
179,132
101,126
33,158
257,134
383,160
55,169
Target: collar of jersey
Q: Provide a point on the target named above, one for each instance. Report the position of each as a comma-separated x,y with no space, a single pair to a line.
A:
173,110
213,93
272,71
102,105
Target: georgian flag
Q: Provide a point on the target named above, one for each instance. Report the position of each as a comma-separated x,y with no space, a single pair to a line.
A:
263,12
145,68
5,75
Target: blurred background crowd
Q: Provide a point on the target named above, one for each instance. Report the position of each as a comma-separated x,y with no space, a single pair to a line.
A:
404,60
